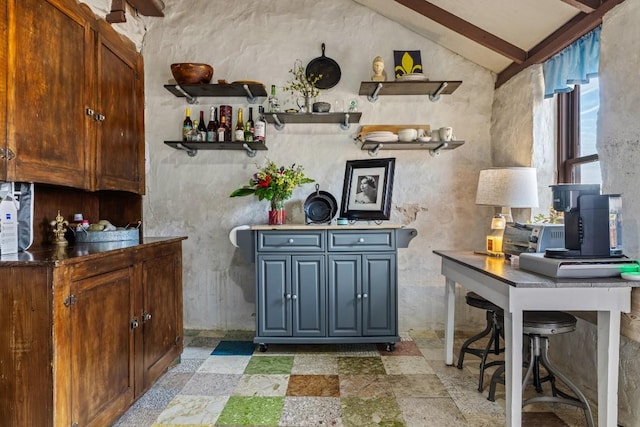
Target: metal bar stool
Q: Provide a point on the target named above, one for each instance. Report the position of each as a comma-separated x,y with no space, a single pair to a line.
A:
493,327
538,325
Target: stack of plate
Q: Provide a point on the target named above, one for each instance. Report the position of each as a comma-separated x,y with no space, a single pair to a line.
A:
412,77
381,136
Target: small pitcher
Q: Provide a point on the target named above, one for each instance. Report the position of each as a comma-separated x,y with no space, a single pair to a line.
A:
304,104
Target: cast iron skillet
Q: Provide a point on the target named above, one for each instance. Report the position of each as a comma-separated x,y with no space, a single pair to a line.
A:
320,207
329,69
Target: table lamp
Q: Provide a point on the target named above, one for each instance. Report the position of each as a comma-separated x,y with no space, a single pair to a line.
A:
506,187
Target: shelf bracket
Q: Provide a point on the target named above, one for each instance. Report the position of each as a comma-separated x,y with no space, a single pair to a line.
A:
190,152
436,95
345,125
250,151
374,96
251,98
436,151
278,124
190,99
374,151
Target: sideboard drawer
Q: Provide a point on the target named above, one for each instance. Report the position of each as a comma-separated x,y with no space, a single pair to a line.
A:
288,241
373,240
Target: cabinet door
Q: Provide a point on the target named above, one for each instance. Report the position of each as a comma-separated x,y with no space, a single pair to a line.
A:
120,105
273,291
379,293
345,294
309,296
102,347
47,82
161,315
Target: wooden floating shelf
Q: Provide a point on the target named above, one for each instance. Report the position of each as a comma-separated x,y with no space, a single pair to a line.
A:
192,147
432,88
434,147
344,119
251,92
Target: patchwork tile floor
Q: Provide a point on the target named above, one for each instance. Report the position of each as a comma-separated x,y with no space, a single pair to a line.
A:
224,380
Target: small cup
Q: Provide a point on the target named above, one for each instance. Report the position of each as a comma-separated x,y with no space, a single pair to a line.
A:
421,133
407,135
446,133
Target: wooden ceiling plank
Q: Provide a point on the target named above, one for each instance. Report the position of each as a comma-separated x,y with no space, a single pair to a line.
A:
466,29
586,6
561,38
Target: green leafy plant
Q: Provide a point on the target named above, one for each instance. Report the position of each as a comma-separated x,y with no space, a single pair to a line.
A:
554,217
301,84
274,183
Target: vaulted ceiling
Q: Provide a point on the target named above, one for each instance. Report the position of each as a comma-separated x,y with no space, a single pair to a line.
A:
504,36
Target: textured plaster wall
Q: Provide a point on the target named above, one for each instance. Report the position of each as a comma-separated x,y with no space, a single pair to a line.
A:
261,41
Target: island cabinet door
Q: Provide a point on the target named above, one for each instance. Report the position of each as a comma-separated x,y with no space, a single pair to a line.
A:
309,296
345,295
273,291
101,346
379,294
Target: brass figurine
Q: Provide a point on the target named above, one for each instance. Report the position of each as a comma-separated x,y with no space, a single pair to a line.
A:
59,229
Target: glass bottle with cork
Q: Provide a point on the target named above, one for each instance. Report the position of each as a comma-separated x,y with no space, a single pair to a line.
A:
239,132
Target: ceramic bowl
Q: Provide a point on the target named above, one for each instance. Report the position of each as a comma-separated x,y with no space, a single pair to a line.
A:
321,107
189,73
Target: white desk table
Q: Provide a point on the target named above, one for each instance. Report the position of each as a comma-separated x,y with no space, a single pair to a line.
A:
515,291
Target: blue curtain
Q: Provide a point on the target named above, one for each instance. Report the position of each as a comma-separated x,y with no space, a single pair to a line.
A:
573,65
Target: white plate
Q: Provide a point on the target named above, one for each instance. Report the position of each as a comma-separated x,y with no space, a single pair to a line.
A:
391,138
635,276
413,77
378,133
424,139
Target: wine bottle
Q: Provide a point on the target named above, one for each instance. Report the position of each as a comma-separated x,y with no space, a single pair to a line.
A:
202,128
222,130
274,105
260,127
249,127
239,133
212,126
187,126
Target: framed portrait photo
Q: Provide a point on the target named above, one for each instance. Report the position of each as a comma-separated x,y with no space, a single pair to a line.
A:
368,185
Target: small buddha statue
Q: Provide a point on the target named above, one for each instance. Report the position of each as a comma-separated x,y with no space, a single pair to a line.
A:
379,74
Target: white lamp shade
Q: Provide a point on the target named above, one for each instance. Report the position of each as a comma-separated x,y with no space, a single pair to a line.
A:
512,187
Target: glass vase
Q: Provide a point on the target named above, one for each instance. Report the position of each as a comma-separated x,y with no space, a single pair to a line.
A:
277,214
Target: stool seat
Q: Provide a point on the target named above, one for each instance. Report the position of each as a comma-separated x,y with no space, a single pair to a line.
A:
547,322
475,300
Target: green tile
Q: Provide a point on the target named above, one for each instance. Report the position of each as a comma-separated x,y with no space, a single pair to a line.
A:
269,365
360,366
251,411
377,411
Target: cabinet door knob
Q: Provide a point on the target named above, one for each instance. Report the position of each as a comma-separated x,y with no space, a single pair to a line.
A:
288,296
134,323
294,296
361,240
365,295
359,296
290,240
146,316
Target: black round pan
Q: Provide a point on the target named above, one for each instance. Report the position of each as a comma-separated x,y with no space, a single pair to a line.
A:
320,207
329,69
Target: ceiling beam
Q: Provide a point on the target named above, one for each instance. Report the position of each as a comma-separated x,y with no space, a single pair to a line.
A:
148,7
466,29
561,38
586,6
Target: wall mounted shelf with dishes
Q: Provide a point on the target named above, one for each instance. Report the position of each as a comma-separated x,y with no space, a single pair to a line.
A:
344,119
250,90
192,147
379,141
432,88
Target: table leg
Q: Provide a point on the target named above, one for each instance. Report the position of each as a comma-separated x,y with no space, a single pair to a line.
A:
608,360
513,366
449,308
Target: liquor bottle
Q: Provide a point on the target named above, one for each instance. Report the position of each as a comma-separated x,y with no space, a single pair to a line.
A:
260,127
239,133
187,126
249,127
274,105
194,131
212,126
202,128
222,130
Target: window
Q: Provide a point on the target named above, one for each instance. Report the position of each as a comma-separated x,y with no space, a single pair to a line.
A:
577,132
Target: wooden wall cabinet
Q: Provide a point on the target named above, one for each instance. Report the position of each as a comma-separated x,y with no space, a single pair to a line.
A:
74,99
87,331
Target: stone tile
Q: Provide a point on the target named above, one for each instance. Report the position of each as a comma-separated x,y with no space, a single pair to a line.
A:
357,350
314,385
208,342
195,353
542,419
360,366
402,348
365,386
173,379
262,385
207,384
189,365
278,350
377,411
138,417
269,365
431,412
311,411
192,410
396,365
224,364
315,364
417,386
251,411
315,349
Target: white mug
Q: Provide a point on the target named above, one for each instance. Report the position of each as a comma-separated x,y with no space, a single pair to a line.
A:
446,133
421,133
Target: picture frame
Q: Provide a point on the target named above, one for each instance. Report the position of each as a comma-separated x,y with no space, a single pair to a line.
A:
367,190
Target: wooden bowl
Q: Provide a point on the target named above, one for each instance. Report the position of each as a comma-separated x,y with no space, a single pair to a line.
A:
188,73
